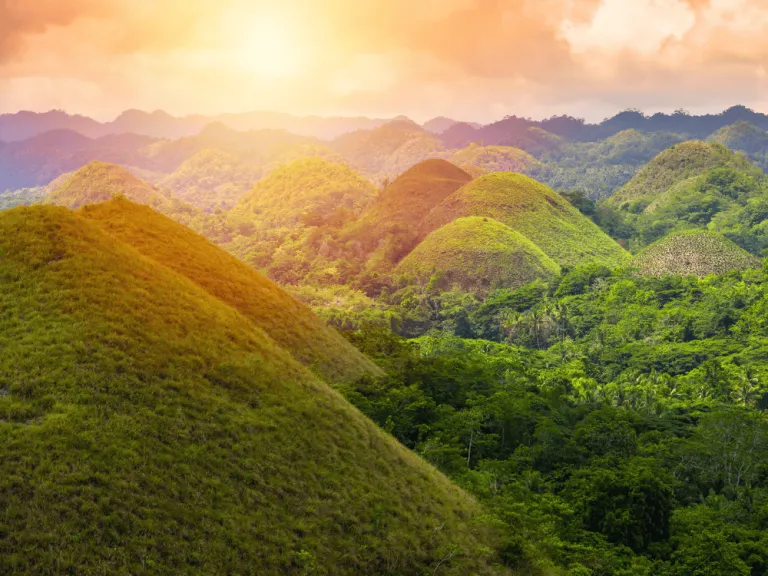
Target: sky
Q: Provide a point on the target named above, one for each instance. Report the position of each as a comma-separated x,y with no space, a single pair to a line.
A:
475,60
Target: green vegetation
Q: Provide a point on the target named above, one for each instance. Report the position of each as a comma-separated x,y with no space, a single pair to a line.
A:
495,159
672,166
149,427
535,211
695,252
478,254
212,179
22,197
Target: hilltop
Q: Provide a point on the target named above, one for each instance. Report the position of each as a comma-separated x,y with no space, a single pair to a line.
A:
311,186
534,210
495,159
693,252
283,318
479,254
150,427
99,182
675,164
391,224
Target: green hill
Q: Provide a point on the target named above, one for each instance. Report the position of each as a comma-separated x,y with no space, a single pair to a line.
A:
675,164
212,179
310,186
391,225
479,254
288,322
151,428
99,182
742,136
495,159
535,211
693,252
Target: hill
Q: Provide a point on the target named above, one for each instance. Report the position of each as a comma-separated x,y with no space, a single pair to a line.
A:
212,179
99,182
310,186
149,427
495,159
478,254
389,149
534,210
391,224
677,163
283,318
694,252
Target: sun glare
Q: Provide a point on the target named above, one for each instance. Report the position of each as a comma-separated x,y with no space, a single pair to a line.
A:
268,47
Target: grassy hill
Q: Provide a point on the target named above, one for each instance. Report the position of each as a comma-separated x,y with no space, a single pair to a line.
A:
479,254
311,186
693,252
391,224
495,159
99,182
212,179
534,210
677,163
149,427
288,322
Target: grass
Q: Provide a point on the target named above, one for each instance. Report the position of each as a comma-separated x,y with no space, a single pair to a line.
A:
677,163
284,318
308,186
536,212
495,159
148,427
693,252
98,182
479,254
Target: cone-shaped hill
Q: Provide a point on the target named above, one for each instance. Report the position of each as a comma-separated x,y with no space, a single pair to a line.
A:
225,277
308,186
149,427
673,166
392,222
98,182
495,159
534,210
694,252
479,254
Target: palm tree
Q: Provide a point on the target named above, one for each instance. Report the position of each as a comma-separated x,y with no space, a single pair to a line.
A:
747,389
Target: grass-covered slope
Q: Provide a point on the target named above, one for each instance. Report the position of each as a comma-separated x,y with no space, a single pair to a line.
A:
212,179
393,221
693,252
495,159
147,427
98,182
673,165
536,211
287,321
479,254
308,186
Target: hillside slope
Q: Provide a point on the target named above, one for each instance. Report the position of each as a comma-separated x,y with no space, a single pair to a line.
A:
676,164
150,428
479,254
288,322
694,252
534,210
495,159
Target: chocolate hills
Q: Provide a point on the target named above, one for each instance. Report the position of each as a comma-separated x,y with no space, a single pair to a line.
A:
152,427
495,159
535,211
693,252
479,254
392,224
672,166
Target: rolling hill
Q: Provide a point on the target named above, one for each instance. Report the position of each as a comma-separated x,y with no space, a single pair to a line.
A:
99,182
392,224
495,159
151,427
693,252
308,186
478,254
535,211
672,166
